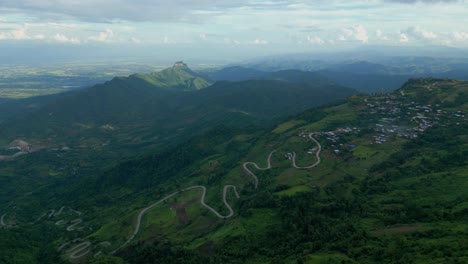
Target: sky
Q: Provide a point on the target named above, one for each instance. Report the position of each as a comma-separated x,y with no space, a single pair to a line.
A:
197,29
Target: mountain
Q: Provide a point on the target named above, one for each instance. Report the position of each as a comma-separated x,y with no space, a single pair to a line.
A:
238,73
368,83
129,115
130,101
235,73
179,77
371,71
362,76
14,108
376,178
360,67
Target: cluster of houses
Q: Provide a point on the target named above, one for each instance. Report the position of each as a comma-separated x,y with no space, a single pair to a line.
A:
335,138
405,119
394,116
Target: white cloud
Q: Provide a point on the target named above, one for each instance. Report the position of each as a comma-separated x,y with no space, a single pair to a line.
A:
259,42
167,40
357,32
231,41
403,38
103,36
64,39
380,35
135,40
460,36
20,34
202,36
315,40
420,34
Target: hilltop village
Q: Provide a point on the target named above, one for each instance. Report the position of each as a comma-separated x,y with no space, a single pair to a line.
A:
389,116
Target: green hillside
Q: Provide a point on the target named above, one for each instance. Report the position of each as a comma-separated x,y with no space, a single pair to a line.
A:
376,179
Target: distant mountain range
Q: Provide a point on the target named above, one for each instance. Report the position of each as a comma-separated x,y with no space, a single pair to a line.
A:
381,74
173,103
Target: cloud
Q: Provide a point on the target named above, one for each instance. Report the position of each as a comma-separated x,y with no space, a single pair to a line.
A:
103,36
421,1
20,34
135,40
64,39
357,32
168,40
259,42
460,36
231,41
130,10
403,38
315,40
419,34
380,35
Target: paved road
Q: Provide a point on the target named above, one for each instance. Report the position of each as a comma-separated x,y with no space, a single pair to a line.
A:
60,211
52,212
249,172
73,224
202,200
140,215
2,220
317,155
80,250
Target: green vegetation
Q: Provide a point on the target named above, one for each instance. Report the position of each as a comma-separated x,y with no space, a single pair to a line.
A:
390,188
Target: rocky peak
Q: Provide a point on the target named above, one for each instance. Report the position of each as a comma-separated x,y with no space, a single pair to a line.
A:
180,64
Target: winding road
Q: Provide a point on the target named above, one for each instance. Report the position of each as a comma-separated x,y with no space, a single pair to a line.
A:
202,201
80,249
250,173
317,155
140,215
60,211
73,224
2,220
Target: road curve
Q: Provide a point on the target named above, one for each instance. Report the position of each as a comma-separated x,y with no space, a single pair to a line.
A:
2,220
52,212
202,200
60,211
79,250
250,173
317,155
73,224
140,215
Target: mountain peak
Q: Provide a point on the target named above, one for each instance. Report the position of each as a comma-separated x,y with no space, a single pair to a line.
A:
180,64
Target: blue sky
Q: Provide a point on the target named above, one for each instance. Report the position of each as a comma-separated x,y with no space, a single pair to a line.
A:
202,28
